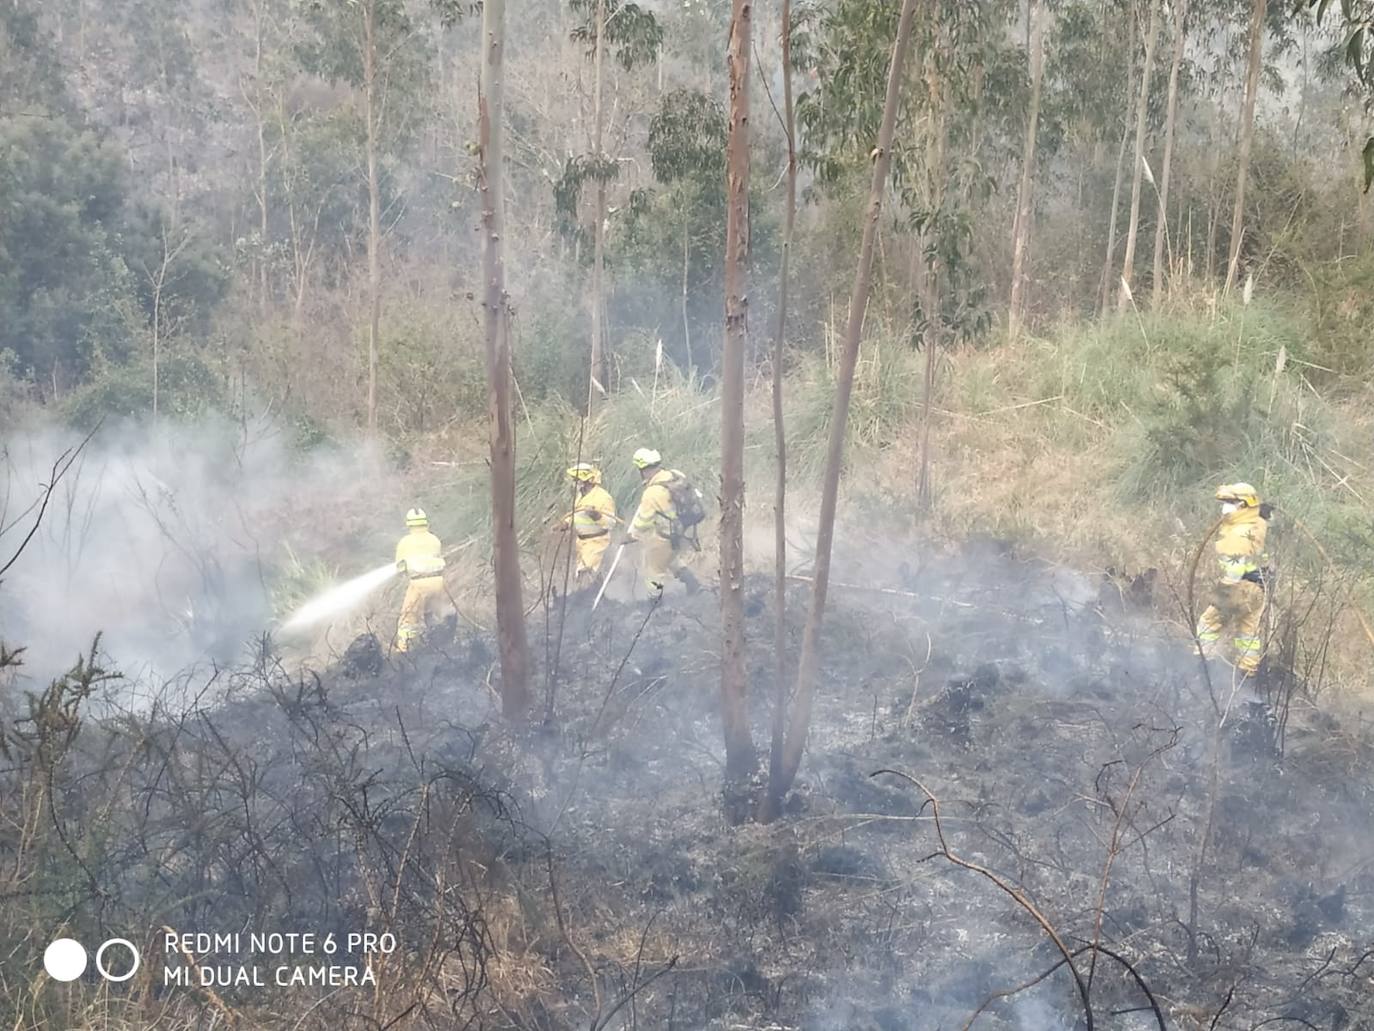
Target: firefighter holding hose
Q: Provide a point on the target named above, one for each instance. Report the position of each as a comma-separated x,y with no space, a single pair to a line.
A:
1239,595
419,556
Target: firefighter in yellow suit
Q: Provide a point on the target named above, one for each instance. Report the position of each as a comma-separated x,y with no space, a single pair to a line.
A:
419,556
591,520
1238,597
655,526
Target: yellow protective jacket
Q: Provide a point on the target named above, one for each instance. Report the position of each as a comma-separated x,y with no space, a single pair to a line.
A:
1240,544
593,513
656,515
421,552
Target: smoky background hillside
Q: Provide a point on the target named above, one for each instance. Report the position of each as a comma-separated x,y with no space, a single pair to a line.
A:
976,331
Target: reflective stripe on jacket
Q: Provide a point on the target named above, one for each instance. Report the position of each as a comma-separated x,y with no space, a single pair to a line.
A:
421,552
593,513
1240,544
656,513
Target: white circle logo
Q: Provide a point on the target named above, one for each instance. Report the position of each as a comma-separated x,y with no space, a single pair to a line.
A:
100,955
65,959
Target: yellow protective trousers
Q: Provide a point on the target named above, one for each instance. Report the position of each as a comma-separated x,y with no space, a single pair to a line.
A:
1238,605
591,552
419,608
660,561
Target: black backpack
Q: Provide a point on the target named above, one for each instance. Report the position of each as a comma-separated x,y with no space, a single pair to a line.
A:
687,503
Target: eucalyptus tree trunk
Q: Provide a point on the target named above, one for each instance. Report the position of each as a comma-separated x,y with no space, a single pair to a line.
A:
598,360
1141,110
1247,134
740,758
779,429
1020,233
799,721
510,610
374,208
1162,219
1109,259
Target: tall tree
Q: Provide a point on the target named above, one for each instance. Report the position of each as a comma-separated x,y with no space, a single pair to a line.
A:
1258,11
799,721
739,745
1180,19
510,610
1020,232
780,686
637,37
1109,258
1138,168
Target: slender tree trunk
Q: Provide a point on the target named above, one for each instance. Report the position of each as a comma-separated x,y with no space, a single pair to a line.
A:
1247,135
1162,219
374,210
779,736
1109,259
799,720
597,359
931,300
740,758
510,610
686,268
260,117
1138,172
1021,225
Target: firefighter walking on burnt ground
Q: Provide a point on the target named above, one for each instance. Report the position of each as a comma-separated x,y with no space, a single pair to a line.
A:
665,524
1238,596
590,521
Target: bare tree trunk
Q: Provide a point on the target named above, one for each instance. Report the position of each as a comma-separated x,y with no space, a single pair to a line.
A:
260,117
1141,110
597,359
775,758
930,282
1109,259
1162,219
510,610
1021,224
374,209
799,720
739,745
686,268
1247,135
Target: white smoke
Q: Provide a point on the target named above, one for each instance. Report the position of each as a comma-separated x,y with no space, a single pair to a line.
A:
167,545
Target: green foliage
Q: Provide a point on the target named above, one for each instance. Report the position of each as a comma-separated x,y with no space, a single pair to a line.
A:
188,389
687,138
64,292
579,170
632,33
430,370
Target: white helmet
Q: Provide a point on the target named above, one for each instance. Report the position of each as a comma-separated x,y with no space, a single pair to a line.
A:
417,517
645,457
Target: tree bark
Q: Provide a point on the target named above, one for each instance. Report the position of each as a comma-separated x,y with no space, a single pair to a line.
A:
597,358
1108,260
799,720
1162,219
779,736
510,610
1024,206
374,209
1141,110
740,758
1247,135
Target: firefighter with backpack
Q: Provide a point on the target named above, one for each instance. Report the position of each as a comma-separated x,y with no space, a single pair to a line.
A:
665,524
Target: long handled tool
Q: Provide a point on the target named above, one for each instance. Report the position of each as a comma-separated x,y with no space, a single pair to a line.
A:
609,573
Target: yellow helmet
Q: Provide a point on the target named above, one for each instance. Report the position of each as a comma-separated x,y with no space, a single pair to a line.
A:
1240,493
584,472
417,517
645,457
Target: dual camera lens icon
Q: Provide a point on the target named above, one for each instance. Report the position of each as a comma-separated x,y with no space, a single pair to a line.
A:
65,959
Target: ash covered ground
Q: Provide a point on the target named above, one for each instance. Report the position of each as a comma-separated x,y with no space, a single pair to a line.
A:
582,872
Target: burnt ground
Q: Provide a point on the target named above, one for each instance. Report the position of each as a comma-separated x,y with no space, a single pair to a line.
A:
1051,715
1059,720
